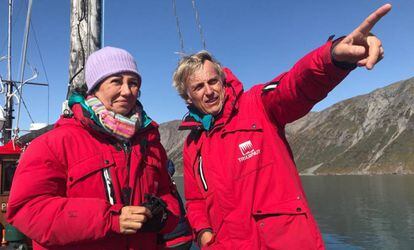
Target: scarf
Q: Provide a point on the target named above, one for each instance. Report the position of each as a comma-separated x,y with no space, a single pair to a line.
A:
121,127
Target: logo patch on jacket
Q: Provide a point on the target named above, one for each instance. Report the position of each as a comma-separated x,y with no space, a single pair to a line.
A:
247,151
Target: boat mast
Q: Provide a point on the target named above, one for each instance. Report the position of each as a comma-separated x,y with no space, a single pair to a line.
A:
23,59
9,86
85,38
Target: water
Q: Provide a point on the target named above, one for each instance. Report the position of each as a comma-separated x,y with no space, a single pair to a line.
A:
361,212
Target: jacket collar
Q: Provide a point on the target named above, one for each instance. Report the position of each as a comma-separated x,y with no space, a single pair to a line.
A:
234,89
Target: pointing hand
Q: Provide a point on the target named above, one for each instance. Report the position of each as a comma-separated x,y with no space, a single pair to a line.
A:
361,46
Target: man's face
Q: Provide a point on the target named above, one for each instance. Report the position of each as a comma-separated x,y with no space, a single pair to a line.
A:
119,92
205,90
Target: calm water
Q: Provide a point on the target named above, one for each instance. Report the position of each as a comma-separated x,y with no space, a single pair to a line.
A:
362,212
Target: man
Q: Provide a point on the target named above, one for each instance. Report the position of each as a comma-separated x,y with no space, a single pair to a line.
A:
241,184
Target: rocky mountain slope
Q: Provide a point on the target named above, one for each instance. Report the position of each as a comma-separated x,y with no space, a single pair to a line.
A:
173,141
368,134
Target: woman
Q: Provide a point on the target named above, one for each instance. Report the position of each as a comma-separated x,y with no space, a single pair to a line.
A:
98,179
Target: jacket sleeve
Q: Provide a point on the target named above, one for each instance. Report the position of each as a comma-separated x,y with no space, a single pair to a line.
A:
38,207
292,95
195,202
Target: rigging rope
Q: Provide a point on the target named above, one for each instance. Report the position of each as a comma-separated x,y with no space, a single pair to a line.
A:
198,24
44,69
2,88
200,29
19,90
177,22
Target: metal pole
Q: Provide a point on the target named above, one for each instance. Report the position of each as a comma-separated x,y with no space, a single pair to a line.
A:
9,101
9,40
85,38
23,59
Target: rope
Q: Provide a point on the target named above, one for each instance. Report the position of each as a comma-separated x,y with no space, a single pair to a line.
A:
2,88
177,22
22,101
18,90
88,31
44,69
200,29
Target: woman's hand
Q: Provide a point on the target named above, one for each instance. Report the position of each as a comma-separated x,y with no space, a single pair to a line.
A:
132,218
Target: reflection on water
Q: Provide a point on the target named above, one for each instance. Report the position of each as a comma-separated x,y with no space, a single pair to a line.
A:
370,212
362,212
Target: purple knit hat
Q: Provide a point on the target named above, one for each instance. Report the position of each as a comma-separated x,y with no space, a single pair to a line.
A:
106,62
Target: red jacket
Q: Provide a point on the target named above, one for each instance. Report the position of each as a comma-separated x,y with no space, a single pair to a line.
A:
240,177
59,197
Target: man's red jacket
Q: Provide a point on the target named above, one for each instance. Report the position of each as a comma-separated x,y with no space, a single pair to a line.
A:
240,177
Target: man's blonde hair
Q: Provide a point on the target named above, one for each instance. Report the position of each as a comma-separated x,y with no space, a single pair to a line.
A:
190,64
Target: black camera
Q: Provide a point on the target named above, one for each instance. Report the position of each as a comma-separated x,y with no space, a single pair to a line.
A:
159,213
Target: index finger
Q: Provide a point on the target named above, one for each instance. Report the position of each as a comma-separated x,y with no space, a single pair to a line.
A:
141,210
372,19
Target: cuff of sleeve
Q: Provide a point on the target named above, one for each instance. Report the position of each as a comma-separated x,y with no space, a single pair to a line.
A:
337,74
342,65
115,211
200,232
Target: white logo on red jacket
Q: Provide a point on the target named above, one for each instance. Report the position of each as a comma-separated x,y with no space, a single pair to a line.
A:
247,151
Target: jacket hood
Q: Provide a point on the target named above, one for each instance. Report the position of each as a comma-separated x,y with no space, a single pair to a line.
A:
233,89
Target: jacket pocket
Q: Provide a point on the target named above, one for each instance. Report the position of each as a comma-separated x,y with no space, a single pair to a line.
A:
203,177
271,207
87,179
243,125
280,222
246,147
151,175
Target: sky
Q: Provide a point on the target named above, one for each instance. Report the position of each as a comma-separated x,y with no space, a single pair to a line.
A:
257,40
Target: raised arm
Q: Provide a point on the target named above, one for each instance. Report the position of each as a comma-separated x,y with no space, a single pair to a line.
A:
292,95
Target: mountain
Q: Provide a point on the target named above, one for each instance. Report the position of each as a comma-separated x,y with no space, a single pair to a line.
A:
367,134
173,140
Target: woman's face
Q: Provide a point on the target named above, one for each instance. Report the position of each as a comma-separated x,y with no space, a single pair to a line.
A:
119,92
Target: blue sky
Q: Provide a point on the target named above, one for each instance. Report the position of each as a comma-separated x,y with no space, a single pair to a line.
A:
256,39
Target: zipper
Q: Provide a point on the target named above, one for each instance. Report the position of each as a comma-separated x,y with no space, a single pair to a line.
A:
201,173
127,191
